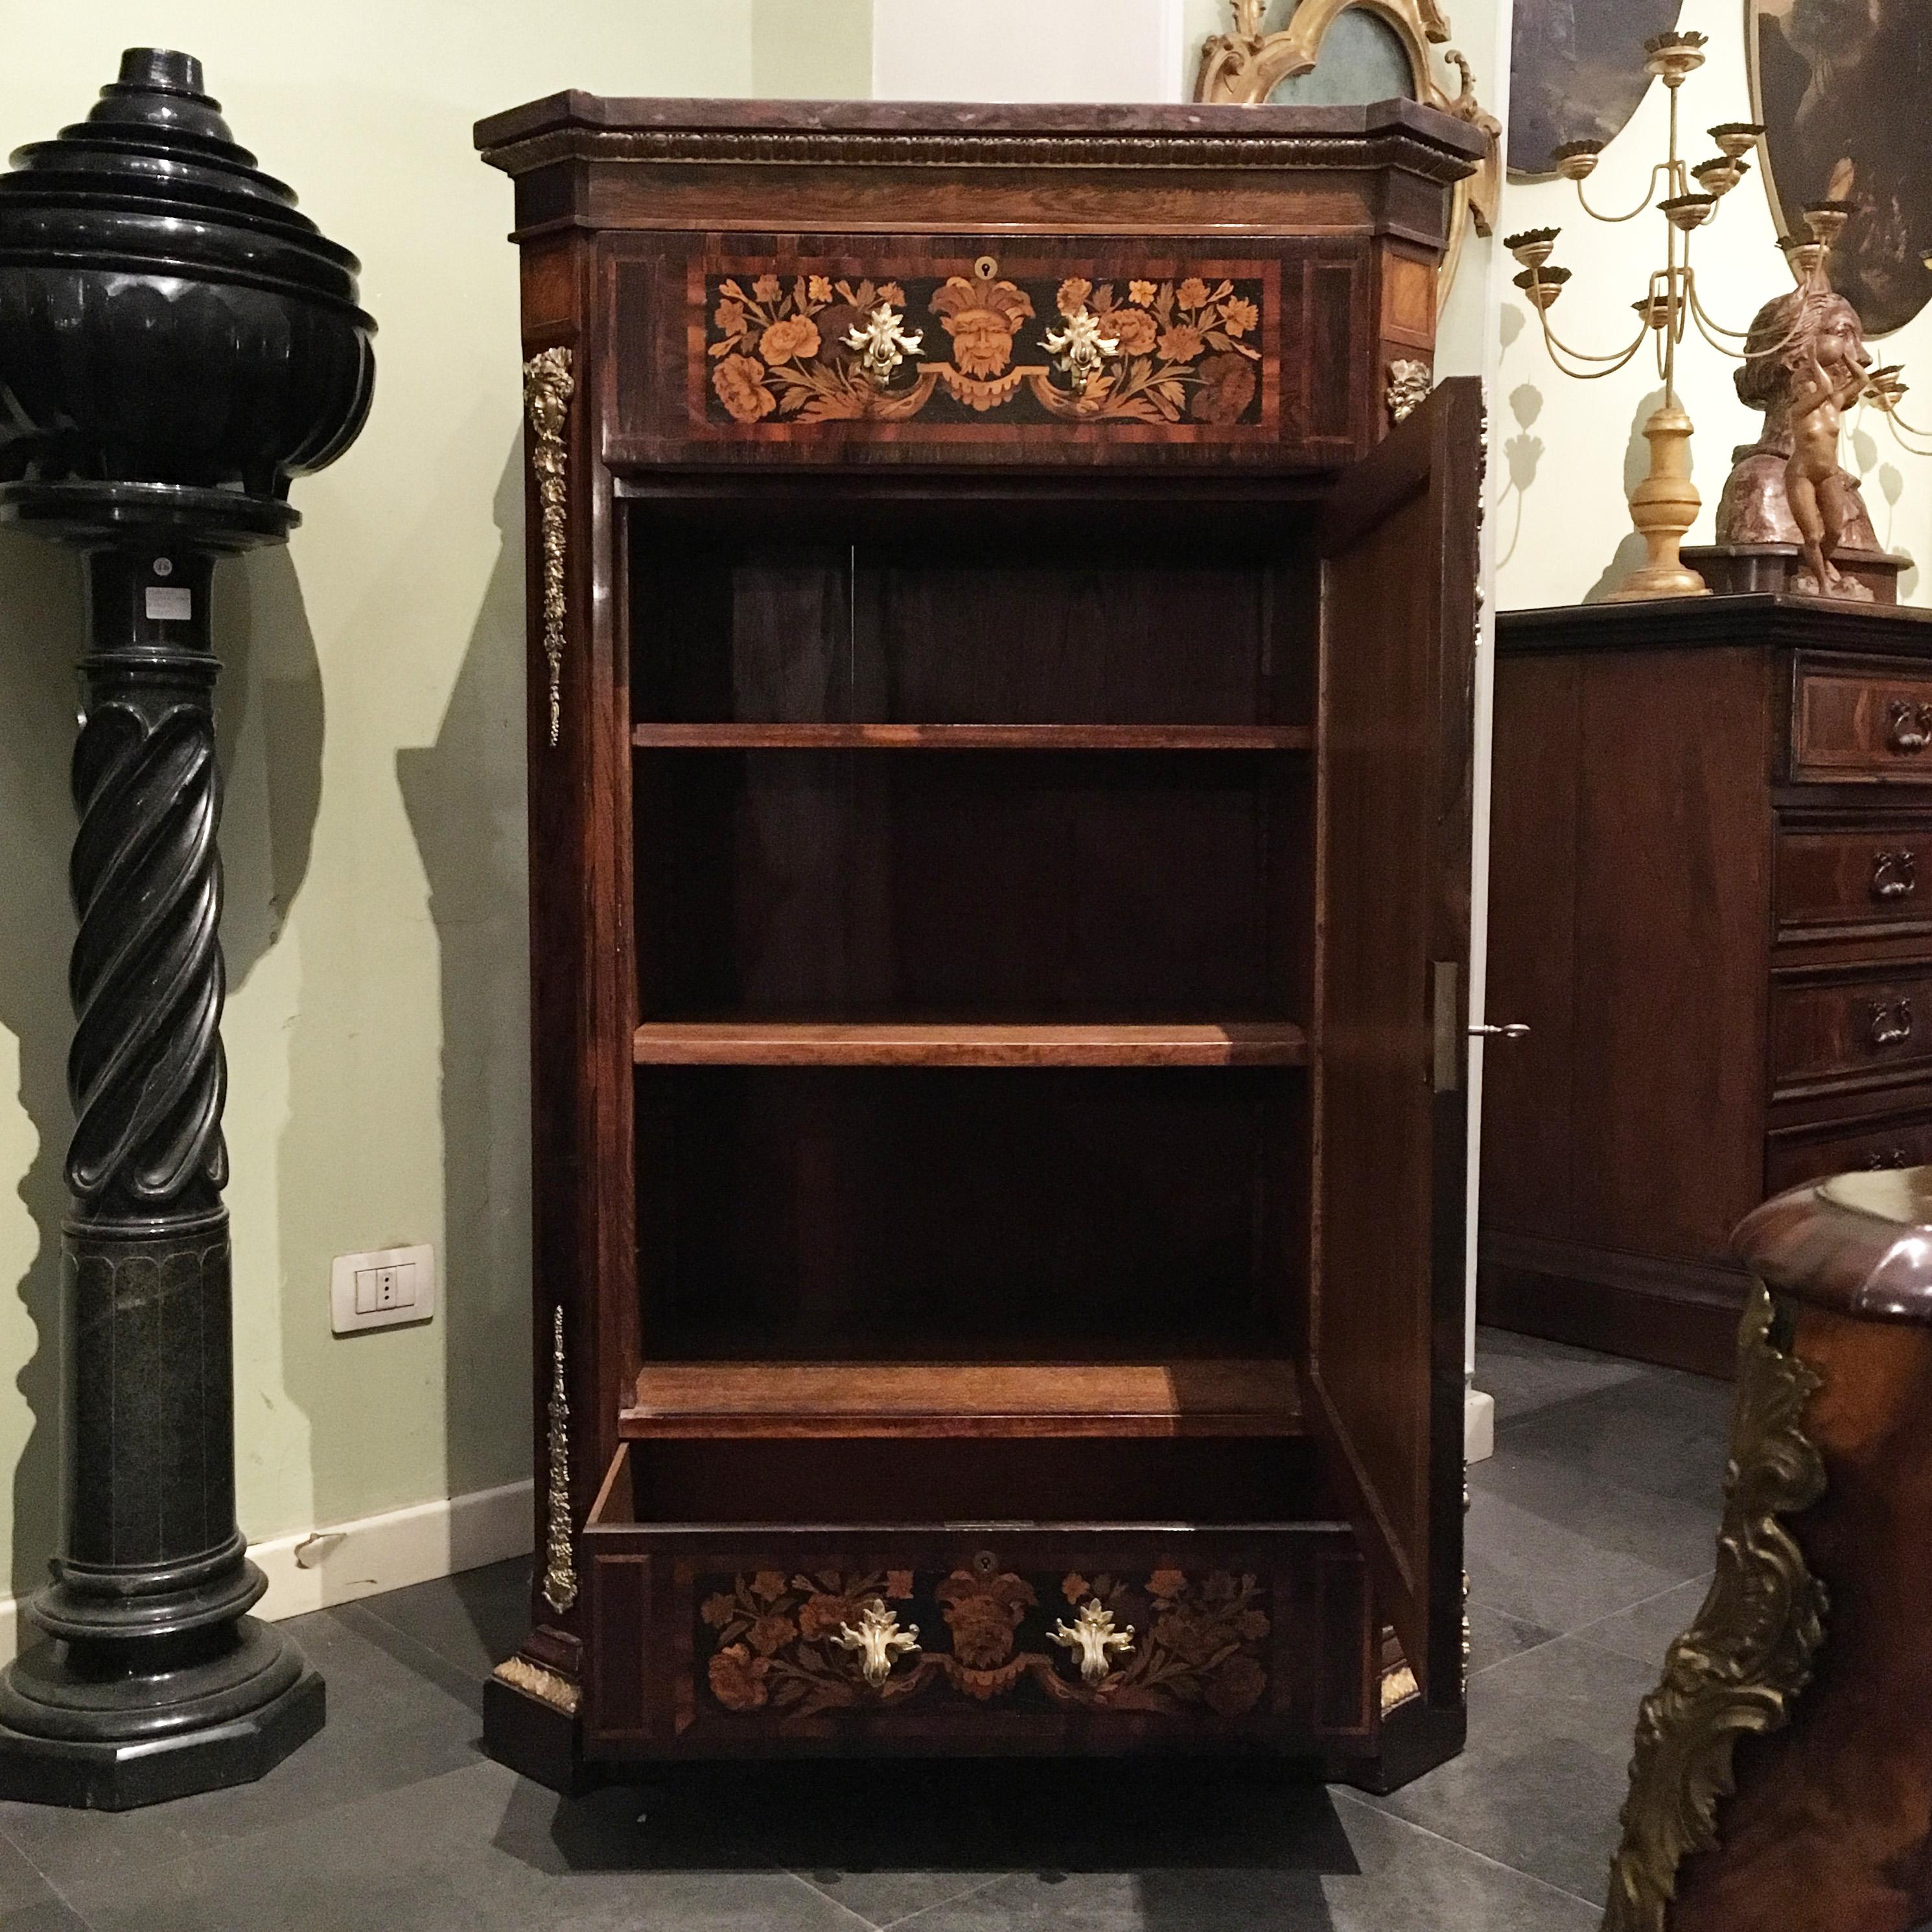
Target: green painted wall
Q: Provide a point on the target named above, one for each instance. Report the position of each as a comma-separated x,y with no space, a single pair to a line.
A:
812,50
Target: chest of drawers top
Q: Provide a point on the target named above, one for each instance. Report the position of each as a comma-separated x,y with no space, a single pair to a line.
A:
1850,688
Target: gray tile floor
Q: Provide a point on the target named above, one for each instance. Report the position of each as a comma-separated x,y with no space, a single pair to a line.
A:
1590,1536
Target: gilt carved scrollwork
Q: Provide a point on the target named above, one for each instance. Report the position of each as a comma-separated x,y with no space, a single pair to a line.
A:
1736,1672
1244,68
548,386
560,1575
146,1072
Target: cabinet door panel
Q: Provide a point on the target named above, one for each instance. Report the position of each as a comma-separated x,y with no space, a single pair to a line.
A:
1385,1341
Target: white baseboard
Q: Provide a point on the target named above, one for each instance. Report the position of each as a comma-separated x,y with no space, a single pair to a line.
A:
1479,1426
311,1569
314,1569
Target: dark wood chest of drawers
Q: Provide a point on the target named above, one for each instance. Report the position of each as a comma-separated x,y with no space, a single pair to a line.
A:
999,784
1711,898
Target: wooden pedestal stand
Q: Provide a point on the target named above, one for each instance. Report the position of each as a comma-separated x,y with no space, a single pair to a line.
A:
1804,1680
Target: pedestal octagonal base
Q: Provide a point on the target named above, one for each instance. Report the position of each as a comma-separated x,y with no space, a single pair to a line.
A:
122,1776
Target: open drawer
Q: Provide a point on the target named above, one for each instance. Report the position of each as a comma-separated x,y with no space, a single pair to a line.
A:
810,1613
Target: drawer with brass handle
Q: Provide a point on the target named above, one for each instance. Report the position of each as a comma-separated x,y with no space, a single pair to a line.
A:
1852,878
1861,727
1850,1030
1793,1156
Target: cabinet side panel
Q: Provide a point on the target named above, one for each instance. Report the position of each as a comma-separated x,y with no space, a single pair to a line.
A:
1528,1084
1672,891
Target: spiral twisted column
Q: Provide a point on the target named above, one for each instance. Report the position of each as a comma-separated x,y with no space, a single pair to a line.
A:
154,1680
145,1071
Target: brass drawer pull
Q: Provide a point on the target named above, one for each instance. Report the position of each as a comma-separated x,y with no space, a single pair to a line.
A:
1881,1158
880,1640
1908,728
1092,1633
1894,874
1890,1024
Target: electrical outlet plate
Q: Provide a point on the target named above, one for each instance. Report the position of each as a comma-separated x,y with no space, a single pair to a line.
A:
382,1289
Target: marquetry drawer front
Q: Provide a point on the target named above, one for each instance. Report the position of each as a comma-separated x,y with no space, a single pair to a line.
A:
1861,727
711,1643
1903,1139
891,348
1849,1031
1850,879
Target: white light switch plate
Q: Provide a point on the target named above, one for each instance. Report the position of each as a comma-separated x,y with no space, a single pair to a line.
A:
382,1289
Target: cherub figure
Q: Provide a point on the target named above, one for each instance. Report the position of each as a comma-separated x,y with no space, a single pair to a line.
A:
1821,494
1805,364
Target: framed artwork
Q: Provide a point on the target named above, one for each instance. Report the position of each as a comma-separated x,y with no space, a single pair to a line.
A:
1843,87
1576,72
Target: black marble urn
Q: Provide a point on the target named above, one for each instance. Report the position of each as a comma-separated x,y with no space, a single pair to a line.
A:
176,343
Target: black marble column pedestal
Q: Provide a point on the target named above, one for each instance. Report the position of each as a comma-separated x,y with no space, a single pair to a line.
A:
151,1680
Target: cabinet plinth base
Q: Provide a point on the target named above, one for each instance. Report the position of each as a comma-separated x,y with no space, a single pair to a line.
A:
536,1738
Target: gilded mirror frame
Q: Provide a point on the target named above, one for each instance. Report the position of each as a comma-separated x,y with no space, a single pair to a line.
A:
1242,67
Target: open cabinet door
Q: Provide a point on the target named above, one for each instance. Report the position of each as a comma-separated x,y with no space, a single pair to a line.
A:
1398,546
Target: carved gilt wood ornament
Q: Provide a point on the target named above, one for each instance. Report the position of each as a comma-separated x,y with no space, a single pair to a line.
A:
1739,1668
1409,383
559,1583
547,1687
548,386
1243,68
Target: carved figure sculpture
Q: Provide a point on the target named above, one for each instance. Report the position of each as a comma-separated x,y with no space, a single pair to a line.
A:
1805,362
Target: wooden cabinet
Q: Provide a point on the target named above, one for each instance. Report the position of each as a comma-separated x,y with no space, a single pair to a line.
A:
999,788
1710,864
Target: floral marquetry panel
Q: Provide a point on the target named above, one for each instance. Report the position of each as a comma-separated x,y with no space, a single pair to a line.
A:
1044,1641
907,351
816,349
1183,1645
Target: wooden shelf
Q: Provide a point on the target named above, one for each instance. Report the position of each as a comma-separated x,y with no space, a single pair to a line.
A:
870,1399
974,737
938,1043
